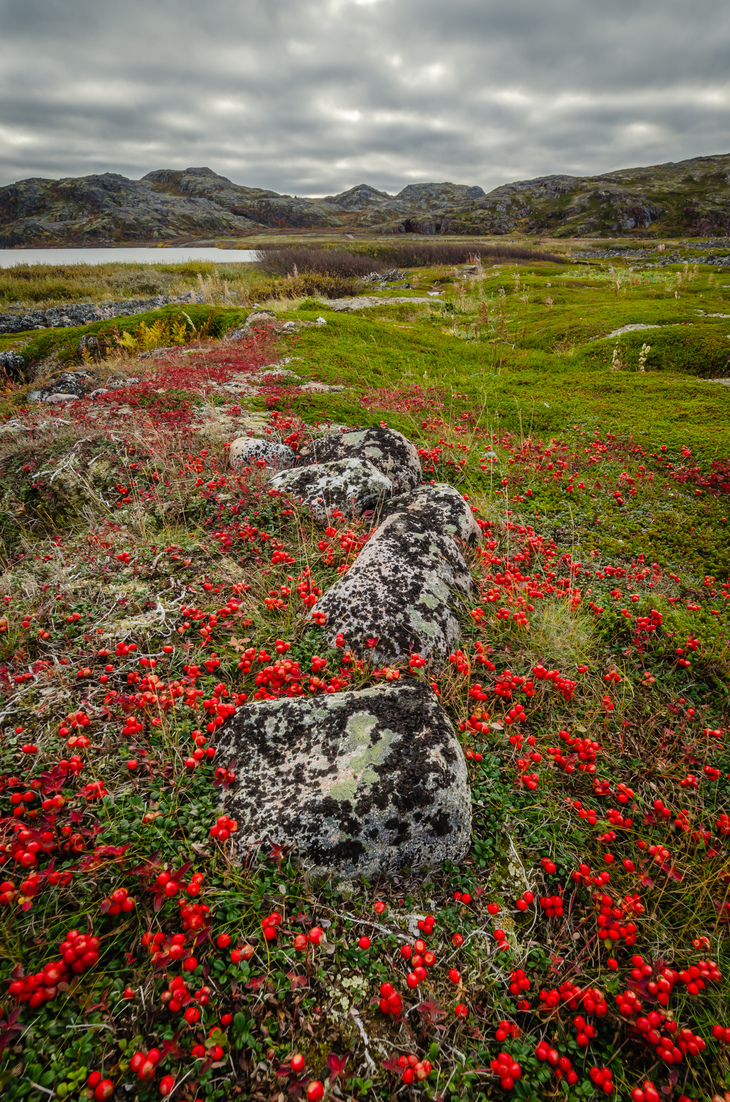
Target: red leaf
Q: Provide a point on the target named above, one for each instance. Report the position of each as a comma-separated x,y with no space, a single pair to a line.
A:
671,870
256,982
431,1011
337,1064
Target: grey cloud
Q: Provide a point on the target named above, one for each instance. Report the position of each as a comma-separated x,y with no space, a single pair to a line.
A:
313,96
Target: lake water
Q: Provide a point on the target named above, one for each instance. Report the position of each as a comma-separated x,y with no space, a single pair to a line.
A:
11,257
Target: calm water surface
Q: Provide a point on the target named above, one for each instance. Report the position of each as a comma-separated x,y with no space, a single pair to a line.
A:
9,258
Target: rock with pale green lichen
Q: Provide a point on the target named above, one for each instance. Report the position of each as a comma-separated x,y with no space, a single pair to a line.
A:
359,783
405,590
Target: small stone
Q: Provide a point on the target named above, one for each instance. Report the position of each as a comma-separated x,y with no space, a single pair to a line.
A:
13,364
350,485
360,783
247,451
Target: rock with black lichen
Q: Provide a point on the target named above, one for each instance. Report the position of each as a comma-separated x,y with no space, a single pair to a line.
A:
360,783
440,505
350,485
405,589
388,450
248,451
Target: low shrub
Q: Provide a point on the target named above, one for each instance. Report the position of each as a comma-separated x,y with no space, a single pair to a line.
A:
330,262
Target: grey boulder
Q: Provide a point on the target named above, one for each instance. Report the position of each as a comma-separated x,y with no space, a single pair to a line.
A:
248,451
441,506
388,450
404,589
361,783
13,364
350,485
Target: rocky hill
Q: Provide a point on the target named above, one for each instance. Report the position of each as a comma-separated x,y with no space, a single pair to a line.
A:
687,198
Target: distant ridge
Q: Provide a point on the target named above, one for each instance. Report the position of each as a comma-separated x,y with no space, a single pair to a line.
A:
686,198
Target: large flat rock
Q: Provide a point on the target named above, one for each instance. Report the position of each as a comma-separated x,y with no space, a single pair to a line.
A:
405,589
388,450
350,485
361,783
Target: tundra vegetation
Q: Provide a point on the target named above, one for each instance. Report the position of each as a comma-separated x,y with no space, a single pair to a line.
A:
149,589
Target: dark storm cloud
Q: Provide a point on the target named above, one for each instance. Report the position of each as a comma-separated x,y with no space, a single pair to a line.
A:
312,96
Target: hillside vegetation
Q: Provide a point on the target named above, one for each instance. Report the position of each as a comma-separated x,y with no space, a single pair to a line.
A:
149,589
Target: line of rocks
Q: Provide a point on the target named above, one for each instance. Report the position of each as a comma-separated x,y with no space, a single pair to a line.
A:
83,313
364,783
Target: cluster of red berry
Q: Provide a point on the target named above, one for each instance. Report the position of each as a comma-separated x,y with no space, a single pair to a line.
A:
79,952
552,905
524,901
603,1078
102,1088
610,924
413,1069
507,1029
561,684
119,902
421,958
223,828
507,1069
519,983
390,1001
561,1065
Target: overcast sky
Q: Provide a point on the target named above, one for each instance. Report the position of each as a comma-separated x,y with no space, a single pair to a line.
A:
313,96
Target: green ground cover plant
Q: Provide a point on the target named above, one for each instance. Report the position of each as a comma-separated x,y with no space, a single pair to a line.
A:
148,589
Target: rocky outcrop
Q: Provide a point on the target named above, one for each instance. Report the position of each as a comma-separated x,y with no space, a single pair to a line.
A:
360,783
388,451
402,595
166,205
83,313
351,486
689,197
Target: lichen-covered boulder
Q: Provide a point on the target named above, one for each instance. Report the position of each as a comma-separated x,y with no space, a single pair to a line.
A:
361,783
440,505
351,485
404,589
248,451
388,450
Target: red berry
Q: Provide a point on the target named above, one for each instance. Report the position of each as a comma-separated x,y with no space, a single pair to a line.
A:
315,1091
